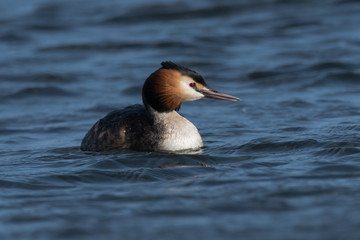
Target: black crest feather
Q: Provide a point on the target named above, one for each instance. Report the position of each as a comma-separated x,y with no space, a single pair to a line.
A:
184,71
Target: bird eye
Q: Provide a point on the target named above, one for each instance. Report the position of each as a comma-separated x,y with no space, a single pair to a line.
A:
192,84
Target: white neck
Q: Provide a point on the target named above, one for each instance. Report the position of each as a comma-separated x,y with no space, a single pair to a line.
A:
179,133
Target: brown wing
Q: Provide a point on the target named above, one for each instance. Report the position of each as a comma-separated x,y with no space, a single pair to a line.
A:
130,127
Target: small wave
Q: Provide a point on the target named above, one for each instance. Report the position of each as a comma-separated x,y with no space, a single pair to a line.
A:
171,12
252,205
14,37
290,193
279,146
107,164
258,75
24,185
348,126
337,79
132,91
293,129
53,77
65,150
251,165
40,77
117,172
298,24
102,108
45,129
7,131
40,92
345,77
338,168
96,176
336,110
347,1
331,65
111,46
113,166
48,10
270,78
338,151
48,27
295,103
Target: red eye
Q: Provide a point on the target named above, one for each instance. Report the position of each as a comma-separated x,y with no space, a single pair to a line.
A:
192,84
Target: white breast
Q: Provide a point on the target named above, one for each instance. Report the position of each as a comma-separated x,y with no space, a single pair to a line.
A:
180,133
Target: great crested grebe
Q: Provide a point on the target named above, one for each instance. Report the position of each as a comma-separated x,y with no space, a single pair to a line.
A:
156,125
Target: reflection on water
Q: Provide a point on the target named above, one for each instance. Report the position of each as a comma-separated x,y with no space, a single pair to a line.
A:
282,163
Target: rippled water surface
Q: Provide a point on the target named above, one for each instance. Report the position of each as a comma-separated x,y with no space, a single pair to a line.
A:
281,164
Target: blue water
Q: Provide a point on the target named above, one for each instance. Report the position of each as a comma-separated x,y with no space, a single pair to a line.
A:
282,164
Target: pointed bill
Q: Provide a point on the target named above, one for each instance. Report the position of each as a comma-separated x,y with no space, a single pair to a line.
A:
210,93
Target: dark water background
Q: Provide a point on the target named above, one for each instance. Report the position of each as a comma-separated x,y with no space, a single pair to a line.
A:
282,164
